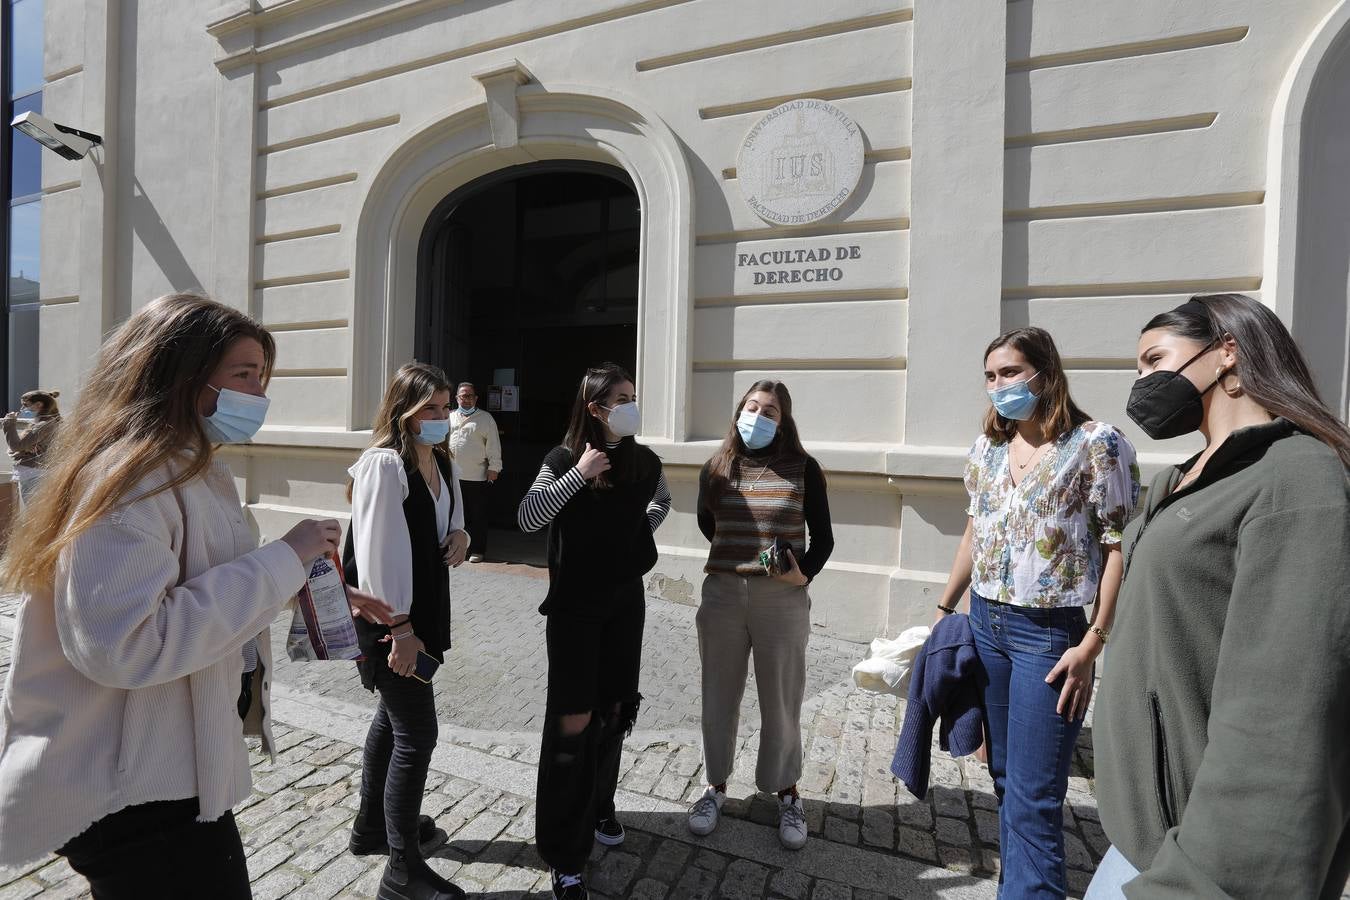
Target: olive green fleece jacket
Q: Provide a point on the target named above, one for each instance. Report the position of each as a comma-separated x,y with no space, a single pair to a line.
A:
1222,731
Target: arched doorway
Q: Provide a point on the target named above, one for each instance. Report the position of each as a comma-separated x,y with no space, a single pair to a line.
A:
526,277
1308,252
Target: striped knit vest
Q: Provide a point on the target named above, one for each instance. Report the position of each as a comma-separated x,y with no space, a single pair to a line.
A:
763,502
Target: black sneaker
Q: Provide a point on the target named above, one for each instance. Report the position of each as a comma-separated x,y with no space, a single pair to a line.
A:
609,832
568,887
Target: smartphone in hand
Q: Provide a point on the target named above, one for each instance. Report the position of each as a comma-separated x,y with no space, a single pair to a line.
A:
426,667
775,558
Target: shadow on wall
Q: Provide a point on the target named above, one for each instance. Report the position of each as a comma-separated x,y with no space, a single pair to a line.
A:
343,40
148,225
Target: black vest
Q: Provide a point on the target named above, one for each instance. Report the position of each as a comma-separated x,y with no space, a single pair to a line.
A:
601,538
430,613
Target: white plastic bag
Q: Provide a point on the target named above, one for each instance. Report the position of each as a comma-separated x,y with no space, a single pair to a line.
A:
887,668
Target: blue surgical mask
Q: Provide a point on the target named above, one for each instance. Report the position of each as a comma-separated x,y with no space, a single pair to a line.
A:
27,414
434,431
463,411
237,418
756,431
1015,401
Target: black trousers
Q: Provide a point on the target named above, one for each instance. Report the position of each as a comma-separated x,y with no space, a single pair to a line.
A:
397,756
594,655
476,495
159,851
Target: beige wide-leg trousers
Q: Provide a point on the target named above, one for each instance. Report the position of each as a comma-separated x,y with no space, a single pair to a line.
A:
772,619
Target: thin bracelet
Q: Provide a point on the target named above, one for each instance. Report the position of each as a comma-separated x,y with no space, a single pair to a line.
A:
401,636
949,610
1099,632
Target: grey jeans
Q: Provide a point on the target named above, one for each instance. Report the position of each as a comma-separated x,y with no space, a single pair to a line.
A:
772,619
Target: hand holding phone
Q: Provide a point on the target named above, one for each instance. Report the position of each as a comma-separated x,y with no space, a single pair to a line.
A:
777,559
426,667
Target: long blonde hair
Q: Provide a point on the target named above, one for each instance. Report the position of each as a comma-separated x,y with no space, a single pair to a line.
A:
412,388
137,412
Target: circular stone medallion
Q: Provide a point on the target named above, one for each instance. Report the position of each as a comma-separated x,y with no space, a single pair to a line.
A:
800,162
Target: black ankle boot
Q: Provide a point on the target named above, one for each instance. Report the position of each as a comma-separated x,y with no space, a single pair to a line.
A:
369,841
408,877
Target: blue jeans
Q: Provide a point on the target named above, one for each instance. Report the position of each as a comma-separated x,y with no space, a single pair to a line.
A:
1112,875
1030,745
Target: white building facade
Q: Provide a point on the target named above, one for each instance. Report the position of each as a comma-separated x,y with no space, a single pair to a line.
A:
322,164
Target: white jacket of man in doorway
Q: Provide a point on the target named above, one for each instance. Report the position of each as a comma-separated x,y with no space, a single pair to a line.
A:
475,445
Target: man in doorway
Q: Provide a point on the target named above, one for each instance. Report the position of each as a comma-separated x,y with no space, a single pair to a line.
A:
476,446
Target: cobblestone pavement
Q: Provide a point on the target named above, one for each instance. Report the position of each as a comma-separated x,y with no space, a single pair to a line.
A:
869,840
492,684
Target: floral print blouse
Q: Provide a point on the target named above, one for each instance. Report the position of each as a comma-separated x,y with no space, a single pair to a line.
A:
1038,543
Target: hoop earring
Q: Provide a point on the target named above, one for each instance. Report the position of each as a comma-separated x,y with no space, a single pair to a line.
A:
1235,391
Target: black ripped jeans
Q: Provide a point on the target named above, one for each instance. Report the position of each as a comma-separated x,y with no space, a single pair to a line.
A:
594,654
397,756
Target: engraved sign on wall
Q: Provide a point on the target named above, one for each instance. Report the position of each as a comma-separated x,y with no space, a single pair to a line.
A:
800,162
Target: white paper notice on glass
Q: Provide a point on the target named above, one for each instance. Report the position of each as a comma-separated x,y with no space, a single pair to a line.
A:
510,398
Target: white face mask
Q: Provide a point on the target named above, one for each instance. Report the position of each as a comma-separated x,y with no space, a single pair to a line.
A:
624,420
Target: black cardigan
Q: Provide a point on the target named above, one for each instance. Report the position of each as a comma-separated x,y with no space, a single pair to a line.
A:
601,538
430,613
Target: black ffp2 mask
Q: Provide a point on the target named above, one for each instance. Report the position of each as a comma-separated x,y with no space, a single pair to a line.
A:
1166,404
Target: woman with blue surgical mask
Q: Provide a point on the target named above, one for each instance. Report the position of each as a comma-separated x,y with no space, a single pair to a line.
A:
122,745
42,416
407,531
762,506
1050,494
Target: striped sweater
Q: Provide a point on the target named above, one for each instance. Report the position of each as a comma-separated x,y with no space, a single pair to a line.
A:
768,498
550,493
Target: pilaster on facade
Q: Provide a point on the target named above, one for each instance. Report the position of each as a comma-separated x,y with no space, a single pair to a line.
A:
956,219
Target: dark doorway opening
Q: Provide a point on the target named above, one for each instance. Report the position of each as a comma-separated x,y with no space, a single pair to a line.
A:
531,274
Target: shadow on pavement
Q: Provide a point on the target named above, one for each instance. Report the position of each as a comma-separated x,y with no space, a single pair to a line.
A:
741,858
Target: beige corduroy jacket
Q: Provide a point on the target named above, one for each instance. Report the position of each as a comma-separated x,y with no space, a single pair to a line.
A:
125,678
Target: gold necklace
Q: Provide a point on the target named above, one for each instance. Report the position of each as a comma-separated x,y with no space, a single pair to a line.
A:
430,479
762,471
1023,466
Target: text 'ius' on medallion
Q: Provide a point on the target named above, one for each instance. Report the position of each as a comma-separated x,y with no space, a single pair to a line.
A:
800,162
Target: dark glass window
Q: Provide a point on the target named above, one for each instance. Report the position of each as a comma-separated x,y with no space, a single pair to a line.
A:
25,165
25,66
25,228
21,80
25,259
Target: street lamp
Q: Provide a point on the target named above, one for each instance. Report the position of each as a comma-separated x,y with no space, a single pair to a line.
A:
69,142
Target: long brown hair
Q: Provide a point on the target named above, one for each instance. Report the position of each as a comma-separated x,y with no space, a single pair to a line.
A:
46,398
725,464
1055,413
411,389
137,413
584,428
1270,367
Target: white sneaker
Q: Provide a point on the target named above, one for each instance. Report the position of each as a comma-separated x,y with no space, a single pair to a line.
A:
791,822
476,558
706,811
